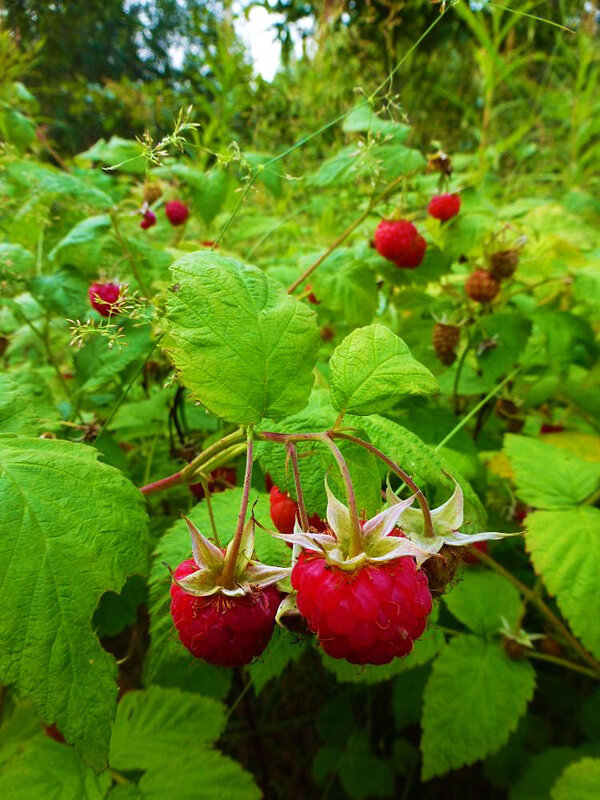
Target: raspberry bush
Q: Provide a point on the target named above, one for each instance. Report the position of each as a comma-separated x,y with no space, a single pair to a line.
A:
300,442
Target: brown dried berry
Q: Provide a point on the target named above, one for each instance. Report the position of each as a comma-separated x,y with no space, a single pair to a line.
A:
510,413
152,191
445,339
513,649
481,286
440,570
504,263
551,647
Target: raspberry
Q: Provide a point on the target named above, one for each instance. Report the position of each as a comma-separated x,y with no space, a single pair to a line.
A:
283,510
105,297
369,615
226,631
504,263
444,206
148,220
481,286
177,212
312,298
399,241
547,428
216,483
445,339
470,557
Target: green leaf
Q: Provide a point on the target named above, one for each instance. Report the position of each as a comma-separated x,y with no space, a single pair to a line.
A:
362,119
156,725
118,610
270,176
565,550
481,599
344,285
473,701
547,476
17,128
45,768
210,196
372,369
281,651
50,181
72,528
580,781
206,776
84,243
362,774
538,778
244,347
116,151
17,411
62,292
15,257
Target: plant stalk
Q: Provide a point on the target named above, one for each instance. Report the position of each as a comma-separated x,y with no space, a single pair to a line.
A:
228,574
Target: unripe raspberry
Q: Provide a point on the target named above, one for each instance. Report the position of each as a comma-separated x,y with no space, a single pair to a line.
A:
444,206
223,630
504,263
152,191
481,286
177,212
105,298
445,339
368,615
148,220
440,571
399,241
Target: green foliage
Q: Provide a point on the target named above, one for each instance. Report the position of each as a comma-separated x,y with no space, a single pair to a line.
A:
473,701
263,370
580,781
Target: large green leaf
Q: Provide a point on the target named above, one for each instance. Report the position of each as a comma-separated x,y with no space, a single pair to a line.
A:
242,345
363,119
343,285
565,550
372,369
168,733
542,771
84,243
473,701
282,651
17,411
158,724
481,599
580,781
548,476
46,769
72,528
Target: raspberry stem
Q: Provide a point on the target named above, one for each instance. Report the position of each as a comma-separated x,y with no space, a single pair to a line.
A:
355,535
293,453
427,522
228,574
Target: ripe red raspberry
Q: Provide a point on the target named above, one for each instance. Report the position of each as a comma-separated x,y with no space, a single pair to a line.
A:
226,631
218,478
470,557
105,297
504,263
400,242
177,212
148,220
444,206
445,339
369,615
547,428
481,286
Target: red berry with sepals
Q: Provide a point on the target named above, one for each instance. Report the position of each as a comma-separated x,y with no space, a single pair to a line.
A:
481,286
444,206
105,298
148,220
226,631
400,242
227,622
177,212
367,616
